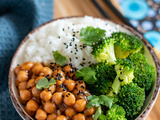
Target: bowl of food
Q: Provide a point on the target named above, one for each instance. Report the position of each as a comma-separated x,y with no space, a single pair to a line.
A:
84,68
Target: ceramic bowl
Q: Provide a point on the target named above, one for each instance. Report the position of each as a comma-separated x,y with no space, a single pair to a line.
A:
149,53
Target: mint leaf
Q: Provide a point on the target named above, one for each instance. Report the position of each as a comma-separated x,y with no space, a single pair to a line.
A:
88,75
44,83
105,100
97,114
59,58
90,35
93,101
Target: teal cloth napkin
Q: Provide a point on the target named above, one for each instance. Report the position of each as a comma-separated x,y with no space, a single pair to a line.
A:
17,19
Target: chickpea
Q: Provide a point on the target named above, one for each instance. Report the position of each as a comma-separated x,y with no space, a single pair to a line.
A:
31,113
69,99
61,117
22,101
60,81
32,105
36,99
17,83
57,98
70,112
27,66
89,118
52,88
31,83
34,76
56,72
59,112
17,70
61,89
55,66
41,115
22,76
36,92
49,107
45,95
52,116
47,71
67,69
25,94
37,68
79,116
75,92
80,105
86,92
80,85
38,78
89,111
81,96
22,86
70,84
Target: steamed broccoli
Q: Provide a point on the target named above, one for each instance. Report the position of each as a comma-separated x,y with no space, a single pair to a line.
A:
103,51
124,70
144,74
116,112
131,98
105,75
126,44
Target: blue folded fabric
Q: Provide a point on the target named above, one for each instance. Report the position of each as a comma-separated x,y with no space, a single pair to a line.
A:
17,18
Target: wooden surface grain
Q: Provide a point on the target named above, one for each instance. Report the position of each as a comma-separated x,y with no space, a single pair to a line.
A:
64,8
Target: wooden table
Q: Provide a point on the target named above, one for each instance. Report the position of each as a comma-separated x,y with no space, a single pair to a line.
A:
64,8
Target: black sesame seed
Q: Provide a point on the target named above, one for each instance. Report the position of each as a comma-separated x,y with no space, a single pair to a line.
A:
76,57
70,43
62,95
82,86
63,29
70,59
59,37
68,93
71,51
66,46
77,31
50,42
73,35
64,43
75,53
18,64
68,27
82,65
84,59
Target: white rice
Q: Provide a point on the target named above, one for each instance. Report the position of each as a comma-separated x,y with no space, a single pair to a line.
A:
42,43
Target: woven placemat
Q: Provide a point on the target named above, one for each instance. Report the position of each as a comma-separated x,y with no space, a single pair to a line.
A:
17,18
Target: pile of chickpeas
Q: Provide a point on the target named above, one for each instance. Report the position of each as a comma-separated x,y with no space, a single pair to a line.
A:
65,100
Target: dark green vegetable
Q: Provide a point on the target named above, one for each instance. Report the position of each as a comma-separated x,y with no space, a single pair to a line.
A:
103,51
88,75
144,74
124,70
126,44
116,113
44,83
105,75
59,58
91,35
131,98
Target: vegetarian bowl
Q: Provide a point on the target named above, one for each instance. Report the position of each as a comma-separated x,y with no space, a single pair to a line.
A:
107,65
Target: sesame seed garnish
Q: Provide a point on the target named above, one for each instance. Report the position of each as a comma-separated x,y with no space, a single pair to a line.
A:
58,36
66,95
76,57
50,42
68,27
84,59
70,59
70,43
77,31
63,29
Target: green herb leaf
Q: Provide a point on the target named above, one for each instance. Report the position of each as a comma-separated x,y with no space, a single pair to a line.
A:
97,114
88,75
93,101
44,83
59,58
52,81
91,35
105,100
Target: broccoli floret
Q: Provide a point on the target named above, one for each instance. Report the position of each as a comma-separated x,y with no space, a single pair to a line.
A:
144,74
105,75
126,44
116,112
103,51
124,70
131,98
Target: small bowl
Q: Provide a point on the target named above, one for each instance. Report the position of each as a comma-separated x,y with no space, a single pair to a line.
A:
149,52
